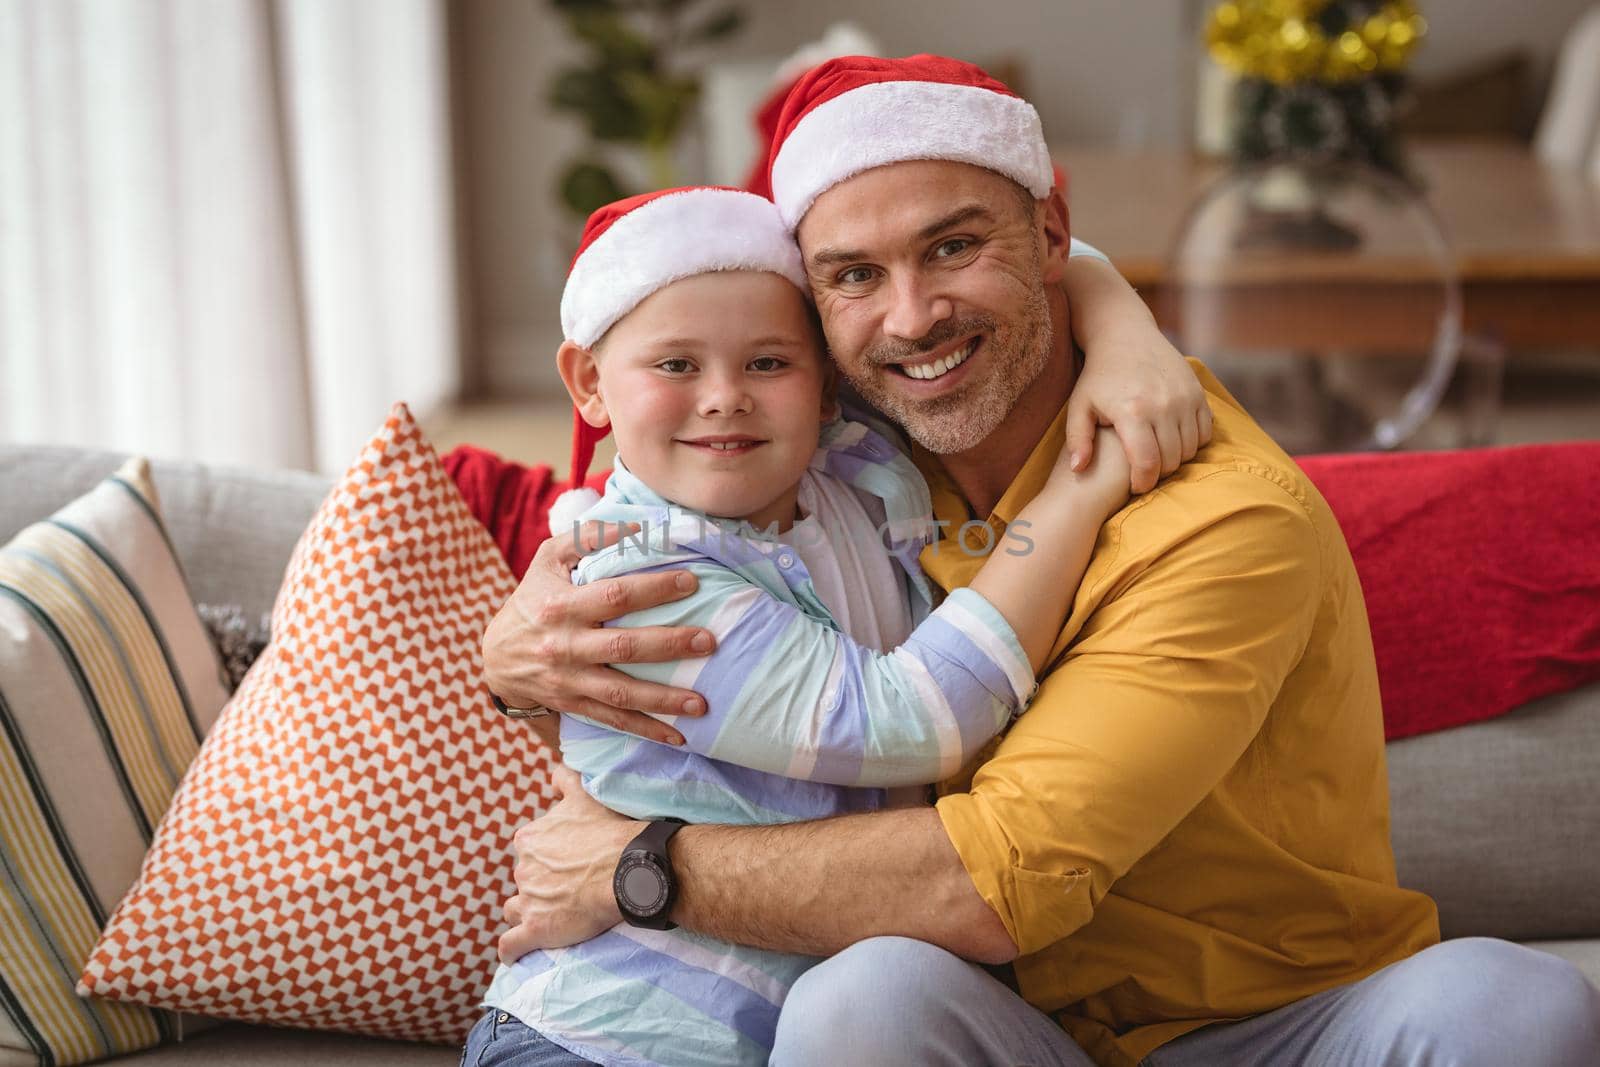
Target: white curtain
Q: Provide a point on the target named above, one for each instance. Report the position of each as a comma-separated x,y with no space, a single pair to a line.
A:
225,225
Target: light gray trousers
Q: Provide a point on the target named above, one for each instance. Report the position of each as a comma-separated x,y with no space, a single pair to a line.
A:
891,1000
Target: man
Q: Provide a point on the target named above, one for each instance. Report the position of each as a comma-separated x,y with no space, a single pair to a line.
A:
1181,849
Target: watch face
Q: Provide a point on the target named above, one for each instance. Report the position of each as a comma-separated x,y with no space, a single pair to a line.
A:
640,886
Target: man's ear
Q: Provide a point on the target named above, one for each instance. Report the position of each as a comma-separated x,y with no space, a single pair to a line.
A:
580,373
1057,236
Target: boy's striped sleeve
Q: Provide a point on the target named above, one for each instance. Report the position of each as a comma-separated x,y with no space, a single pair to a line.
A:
791,695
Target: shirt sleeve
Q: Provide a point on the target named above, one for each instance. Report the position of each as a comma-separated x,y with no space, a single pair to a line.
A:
790,695
1169,680
1084,248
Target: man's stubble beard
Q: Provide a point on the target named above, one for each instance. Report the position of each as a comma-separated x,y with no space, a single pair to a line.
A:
964,419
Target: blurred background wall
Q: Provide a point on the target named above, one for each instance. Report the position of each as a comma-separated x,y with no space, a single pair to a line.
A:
1099,71
237,230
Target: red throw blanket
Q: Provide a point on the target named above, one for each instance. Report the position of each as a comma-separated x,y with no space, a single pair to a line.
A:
512,500
1481,568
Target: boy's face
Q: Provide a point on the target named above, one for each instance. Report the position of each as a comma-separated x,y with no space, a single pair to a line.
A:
714,387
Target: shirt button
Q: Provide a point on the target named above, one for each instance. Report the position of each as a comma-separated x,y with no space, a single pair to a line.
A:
785,561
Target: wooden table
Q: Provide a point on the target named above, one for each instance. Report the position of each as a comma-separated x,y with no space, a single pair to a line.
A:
1526,238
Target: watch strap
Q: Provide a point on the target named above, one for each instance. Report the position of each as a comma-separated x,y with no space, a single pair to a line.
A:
654,838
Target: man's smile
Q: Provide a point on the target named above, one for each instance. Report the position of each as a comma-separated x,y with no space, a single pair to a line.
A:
942,364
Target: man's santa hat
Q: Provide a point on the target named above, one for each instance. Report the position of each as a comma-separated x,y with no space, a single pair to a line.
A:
840,39
855,113
636,246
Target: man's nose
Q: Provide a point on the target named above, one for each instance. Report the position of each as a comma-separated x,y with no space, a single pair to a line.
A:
914,308
724,394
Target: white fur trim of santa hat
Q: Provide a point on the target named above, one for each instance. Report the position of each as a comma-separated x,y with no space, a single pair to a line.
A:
569,508
675,236
890,122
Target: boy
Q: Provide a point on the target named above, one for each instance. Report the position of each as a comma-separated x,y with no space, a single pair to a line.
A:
835,677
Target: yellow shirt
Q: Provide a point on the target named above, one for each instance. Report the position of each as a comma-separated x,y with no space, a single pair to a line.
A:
1190,823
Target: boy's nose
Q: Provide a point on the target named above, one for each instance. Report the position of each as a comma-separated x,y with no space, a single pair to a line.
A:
724,396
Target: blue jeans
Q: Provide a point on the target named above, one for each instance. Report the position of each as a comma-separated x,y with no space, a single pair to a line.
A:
502,1040
890,1000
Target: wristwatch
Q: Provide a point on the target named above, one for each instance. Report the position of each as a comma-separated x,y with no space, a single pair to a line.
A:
644,884
538,711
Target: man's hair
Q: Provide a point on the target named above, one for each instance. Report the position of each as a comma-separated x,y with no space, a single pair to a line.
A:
1025,200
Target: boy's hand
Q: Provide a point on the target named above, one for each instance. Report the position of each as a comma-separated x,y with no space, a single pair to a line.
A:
546,645
1101,488
1132,380
1142,387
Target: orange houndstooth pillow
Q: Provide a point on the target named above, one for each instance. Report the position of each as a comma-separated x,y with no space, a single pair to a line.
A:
338,853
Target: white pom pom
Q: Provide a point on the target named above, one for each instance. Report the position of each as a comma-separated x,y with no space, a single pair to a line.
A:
568,507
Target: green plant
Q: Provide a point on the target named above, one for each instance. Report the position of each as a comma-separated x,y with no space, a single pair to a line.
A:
632,86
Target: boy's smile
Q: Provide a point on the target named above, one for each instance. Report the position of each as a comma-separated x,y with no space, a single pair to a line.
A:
726,444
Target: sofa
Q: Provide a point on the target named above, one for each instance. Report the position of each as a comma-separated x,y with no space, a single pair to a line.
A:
1499,821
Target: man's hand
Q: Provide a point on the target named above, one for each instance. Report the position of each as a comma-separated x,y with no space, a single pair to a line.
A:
565,860
547,646
1133,380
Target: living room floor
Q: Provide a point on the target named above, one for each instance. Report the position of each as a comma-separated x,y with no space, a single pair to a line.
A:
1546,397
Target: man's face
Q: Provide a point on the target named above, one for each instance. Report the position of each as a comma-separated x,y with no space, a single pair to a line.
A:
929,278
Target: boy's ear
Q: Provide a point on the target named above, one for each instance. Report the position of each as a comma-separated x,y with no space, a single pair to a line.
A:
830,389
1057,235
580,373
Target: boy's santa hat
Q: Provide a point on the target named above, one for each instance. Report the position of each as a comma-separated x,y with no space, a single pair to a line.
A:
636,246
855,113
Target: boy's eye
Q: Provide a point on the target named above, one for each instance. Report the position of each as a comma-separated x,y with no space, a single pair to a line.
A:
953,247
674,366
766,363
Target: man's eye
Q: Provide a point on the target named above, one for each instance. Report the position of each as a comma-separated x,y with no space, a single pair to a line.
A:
674,366
953,247
856,276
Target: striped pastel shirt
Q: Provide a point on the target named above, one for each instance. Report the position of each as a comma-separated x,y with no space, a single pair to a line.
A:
804,721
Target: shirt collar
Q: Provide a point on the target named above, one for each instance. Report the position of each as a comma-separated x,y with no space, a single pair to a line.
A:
951,508
852,451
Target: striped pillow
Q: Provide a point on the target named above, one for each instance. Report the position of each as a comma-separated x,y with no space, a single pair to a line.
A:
107,685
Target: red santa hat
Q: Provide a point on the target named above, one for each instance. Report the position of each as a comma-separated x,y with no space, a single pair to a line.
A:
855,113
636,246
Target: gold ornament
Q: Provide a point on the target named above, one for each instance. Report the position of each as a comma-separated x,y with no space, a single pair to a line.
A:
1281,41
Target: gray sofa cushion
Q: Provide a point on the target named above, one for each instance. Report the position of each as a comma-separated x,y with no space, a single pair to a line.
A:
238,1045
234,530
1500,821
